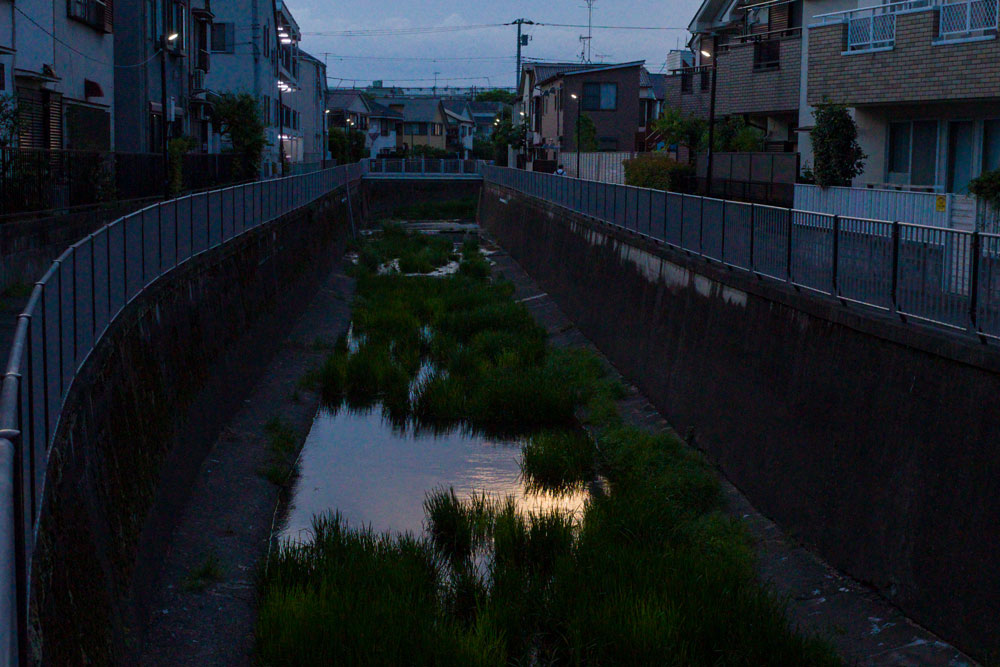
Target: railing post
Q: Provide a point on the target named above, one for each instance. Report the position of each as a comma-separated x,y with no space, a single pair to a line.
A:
680,240
974,281
701,227
722,245
753,233
649,214
836,256
788,247
894,282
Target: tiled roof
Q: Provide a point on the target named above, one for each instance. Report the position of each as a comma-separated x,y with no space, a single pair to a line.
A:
415,109
379,111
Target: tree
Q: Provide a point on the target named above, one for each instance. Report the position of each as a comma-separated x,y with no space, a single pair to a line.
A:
837,156
238,117
8,120
680,130
734,135
506,133
347,146
497,95
586,135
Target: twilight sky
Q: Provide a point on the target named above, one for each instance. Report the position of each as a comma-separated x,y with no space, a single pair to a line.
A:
480,57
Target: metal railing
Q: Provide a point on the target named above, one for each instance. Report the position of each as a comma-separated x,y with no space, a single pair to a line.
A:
966,18
71,308
422,167
941,276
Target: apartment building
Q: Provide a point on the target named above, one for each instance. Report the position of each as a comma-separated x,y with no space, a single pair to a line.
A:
754,50
923,80
461,126
161,60
309,104
56,60
556,95
384,126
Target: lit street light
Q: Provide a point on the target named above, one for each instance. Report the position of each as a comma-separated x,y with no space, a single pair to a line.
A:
579,103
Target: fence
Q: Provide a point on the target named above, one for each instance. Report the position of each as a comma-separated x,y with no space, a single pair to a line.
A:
69,311
604,167
35,179
422,167
942,276
922,208
762,178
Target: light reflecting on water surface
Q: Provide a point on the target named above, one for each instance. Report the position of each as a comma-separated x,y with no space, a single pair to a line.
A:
355,462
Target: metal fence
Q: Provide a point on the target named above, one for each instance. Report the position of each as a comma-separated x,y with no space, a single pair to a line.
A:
36,179
423,167
69,311
942,276
762,178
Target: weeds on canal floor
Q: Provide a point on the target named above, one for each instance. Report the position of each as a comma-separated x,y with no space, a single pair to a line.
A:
463,208
652,573
417,253
208,572
282,445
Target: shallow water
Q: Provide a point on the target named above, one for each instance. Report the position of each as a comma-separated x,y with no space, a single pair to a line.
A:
355,462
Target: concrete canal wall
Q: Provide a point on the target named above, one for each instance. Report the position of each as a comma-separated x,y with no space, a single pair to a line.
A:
171,371
873,441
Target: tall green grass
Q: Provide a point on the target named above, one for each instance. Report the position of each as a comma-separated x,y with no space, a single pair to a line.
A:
652,573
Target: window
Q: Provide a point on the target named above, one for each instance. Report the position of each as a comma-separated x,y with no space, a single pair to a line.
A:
384,126
767,54
600,96
92,12
177,24
991,144
223,38
415,128
608,144
912,152
3,77
687,82
706,79
436,129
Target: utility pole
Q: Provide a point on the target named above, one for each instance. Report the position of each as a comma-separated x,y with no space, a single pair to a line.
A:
521,41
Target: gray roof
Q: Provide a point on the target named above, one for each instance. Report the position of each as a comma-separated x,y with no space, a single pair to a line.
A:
379,111
415,109
486,108
342,99
659,84
459,108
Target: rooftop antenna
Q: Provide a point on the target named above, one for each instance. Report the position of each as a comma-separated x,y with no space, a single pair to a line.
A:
585,51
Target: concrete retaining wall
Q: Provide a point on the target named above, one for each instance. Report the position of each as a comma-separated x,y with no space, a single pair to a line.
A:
141,416
873,441
384,196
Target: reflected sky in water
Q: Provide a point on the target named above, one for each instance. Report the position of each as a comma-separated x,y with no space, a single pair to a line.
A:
356,463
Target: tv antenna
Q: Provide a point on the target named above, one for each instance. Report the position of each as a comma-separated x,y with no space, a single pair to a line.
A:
588,38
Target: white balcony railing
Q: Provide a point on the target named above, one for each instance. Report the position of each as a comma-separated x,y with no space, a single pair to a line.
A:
967,18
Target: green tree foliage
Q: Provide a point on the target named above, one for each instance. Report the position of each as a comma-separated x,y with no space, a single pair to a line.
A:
425,151
837,156
347,146
497,95
176,148
238,117
586,134
986,188
735,136
660,172
8,120
681,130
506,133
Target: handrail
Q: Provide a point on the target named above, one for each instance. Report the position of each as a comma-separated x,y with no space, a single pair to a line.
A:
890,7
944,277
92,282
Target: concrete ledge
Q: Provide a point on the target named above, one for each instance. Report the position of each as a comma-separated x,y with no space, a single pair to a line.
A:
871,440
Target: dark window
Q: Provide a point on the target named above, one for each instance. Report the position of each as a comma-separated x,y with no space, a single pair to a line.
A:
899,148
94,13
267,41
3,77
687,82
991,145
384,124
608,144
222,38
923,157
766,54
600,96
706,79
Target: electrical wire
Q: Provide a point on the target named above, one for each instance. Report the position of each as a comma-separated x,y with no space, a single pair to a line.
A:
81,53
395,32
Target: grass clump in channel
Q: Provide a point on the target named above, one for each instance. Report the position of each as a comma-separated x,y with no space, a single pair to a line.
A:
208,572
652,572
417,253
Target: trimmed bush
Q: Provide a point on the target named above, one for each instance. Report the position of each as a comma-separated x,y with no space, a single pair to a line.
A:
659,172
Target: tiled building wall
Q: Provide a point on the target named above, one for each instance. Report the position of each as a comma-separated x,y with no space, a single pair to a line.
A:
740,89
916,70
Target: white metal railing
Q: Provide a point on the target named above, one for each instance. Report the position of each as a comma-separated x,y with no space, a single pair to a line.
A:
872,28
967,18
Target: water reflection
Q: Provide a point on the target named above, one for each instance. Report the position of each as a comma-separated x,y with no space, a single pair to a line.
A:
378,475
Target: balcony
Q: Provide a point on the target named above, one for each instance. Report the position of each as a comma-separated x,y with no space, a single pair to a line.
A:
202,60
874,28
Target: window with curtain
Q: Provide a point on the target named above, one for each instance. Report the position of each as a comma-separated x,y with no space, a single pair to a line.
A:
899,148
223,38
600,96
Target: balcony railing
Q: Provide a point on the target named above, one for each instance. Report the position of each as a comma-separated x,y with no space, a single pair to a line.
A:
967,18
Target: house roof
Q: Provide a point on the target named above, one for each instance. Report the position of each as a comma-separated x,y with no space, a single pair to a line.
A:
458,109
415,109
544,71
486,108
590,69
345,99
380,111
659,84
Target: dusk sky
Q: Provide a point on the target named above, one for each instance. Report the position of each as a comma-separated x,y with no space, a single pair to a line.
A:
481,57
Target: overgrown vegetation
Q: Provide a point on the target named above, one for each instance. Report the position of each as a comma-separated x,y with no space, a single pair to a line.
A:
206,573
837,155
585,134
652,573
282,447
238,117
176,149
986,188
347,146
660,172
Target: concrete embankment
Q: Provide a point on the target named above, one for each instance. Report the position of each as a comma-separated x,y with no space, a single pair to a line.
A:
871,440
169,374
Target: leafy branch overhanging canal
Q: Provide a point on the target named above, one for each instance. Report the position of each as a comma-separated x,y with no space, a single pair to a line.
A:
652,573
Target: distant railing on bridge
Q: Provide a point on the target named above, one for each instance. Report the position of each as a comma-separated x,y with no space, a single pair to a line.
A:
423,168
70,310
942,276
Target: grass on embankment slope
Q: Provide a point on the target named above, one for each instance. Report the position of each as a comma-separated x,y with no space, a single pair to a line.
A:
653,573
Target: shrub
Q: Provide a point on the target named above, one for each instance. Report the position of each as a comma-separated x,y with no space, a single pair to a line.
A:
659,172
837,156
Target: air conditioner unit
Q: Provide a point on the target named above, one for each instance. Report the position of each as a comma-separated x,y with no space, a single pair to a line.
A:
198,80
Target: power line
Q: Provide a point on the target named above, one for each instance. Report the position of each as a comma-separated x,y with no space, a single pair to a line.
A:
608,27
81,53
396,32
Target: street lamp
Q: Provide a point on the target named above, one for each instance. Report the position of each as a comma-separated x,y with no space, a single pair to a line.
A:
711,123
164,41
579,103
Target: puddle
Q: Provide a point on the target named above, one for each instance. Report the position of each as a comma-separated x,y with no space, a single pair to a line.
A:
377,476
